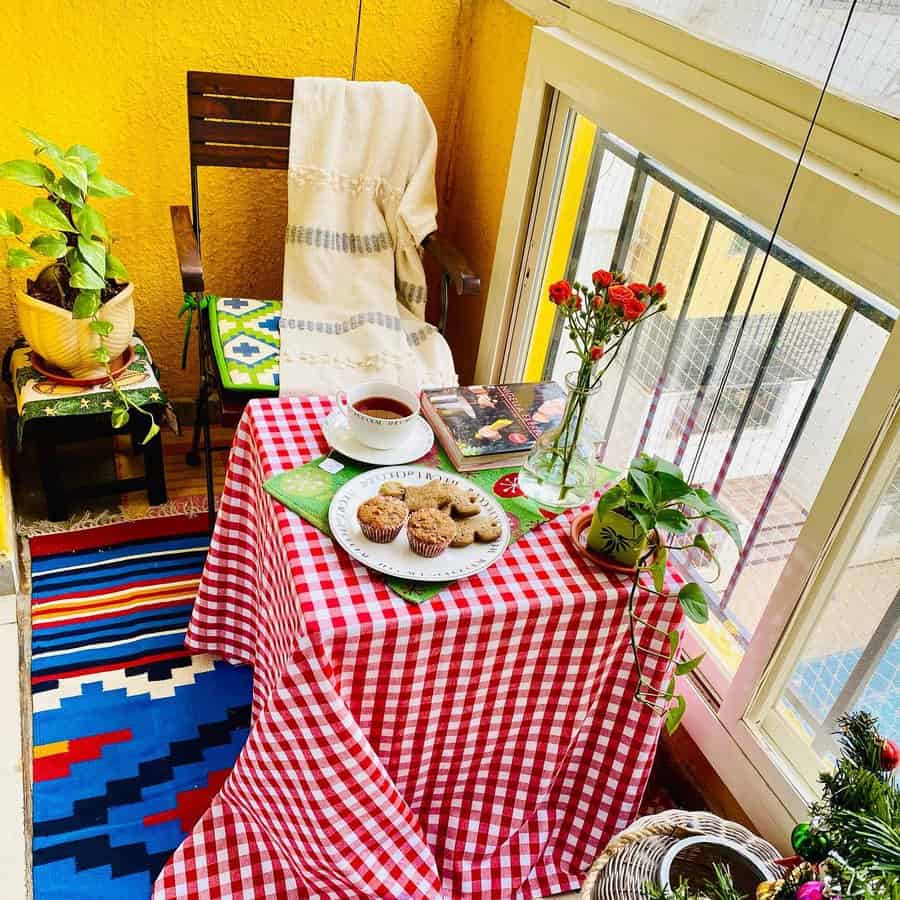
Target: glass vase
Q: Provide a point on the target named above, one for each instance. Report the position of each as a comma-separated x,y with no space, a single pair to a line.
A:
561,469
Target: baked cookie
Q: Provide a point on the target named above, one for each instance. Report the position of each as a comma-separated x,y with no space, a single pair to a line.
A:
480,528
435,494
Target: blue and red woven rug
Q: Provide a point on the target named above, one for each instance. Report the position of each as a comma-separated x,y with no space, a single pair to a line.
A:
132,734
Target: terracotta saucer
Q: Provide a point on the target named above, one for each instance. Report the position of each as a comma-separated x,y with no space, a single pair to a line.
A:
578,535
118,366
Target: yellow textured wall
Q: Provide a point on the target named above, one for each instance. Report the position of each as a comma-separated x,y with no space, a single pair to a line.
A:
111,74
496,39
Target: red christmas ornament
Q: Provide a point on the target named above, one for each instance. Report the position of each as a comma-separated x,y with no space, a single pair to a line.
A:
890,755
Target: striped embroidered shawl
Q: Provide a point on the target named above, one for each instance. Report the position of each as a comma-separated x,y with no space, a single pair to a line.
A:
361,198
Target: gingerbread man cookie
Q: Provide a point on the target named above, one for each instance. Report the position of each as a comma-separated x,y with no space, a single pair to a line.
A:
435,494
480,528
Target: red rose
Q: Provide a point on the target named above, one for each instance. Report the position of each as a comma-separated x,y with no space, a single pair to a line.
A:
602,278
890,755
633,309
597,301
619,295
658,290
639,290
596,352
560,291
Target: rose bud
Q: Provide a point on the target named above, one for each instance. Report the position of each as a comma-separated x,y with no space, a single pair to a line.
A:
658,290
602,278
890,755
596,352
560,291
597,301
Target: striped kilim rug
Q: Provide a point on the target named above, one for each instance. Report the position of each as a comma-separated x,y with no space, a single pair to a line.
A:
132,735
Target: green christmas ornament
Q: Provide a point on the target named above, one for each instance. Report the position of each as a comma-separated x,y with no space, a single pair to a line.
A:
812,845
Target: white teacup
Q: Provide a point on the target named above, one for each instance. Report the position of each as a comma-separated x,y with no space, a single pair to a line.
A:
380,425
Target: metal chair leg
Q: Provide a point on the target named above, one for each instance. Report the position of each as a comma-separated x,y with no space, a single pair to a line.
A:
210,483
201,415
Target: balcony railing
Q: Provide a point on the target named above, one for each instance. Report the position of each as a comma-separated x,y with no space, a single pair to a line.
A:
816,339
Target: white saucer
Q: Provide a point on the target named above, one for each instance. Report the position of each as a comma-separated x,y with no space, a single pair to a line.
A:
339,438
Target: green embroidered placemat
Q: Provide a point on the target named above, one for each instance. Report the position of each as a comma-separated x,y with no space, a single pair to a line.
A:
308,489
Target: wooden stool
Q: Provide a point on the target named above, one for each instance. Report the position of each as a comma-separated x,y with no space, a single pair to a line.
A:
55,414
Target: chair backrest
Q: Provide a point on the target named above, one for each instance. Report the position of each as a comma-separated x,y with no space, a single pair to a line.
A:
242,121
239,121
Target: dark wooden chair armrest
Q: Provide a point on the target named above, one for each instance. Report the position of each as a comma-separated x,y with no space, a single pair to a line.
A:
187,249
453,263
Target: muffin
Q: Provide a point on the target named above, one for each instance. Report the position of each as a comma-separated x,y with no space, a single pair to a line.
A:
381,518
430,532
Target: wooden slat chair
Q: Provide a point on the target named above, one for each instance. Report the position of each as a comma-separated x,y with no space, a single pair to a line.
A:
243,121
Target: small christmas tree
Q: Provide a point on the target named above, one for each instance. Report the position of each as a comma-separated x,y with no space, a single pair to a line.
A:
850,848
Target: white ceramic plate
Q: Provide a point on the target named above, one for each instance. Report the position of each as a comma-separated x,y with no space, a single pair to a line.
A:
339,438
396,558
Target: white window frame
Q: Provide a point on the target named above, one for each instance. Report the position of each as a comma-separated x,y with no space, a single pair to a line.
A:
711,133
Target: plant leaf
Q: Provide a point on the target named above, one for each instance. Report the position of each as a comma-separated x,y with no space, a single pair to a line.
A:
671,487
101,326
120,417
670,689
101,354
674,637
90,159
644,519
101,186
86,304
152,432
675,714
685,667
693,602
81,275
64,188
645,483
702,544
658,568
115,269
25,171
10,223
673,520
94,255
612,499
47,215
19,258
73,168
42,144
50,245
89,222
715,513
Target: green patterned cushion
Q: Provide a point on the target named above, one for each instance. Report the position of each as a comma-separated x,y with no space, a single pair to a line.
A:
246,342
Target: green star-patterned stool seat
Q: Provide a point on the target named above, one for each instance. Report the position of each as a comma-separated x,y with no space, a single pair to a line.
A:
55,413
246,342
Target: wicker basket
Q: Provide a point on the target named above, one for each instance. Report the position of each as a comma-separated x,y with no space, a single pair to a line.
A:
634,857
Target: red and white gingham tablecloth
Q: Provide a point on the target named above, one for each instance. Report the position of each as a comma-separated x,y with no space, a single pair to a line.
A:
485,744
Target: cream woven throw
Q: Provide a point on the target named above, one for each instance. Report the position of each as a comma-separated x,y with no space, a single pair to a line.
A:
361,198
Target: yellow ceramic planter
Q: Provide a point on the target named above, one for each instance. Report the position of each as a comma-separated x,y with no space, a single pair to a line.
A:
67,343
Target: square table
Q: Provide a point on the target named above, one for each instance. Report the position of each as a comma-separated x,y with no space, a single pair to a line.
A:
484,744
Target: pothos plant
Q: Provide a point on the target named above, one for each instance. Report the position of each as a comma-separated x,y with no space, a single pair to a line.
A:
70,238
671,515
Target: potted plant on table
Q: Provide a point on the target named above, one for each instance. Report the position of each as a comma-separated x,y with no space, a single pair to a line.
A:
597,318
77,313
638,522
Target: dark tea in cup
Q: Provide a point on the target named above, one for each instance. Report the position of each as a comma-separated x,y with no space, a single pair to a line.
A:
382,408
